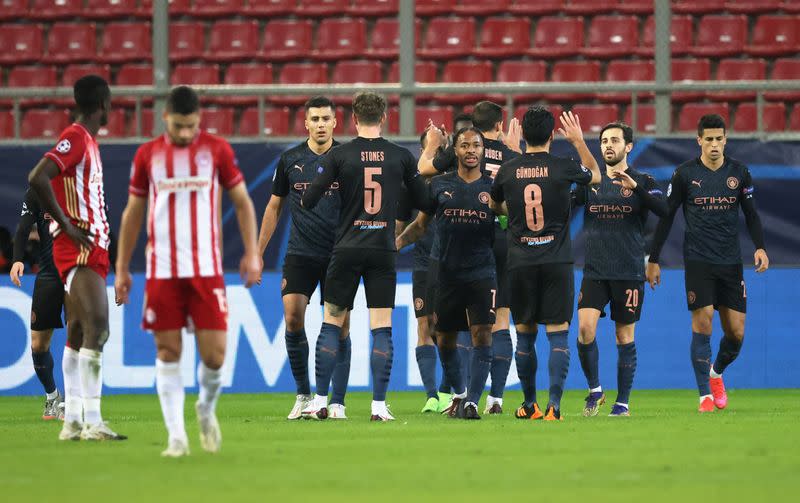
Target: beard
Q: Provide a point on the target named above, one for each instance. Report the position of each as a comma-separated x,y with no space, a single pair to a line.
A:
614,160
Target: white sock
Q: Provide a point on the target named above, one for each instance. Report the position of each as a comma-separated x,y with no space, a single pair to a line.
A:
492,400
461,395
171,395
73,406
210,386
378,407
704,397
622,404
714,374
598,389
51,396
320,401
90,365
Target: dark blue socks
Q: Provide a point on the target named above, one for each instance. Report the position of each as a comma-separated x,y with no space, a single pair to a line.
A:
326,357
426,361
728,351
626,368
297,349
452,369
43,365
701,361
558,366
527,363
589,356
479,372
381,362
502,352
464,343
341,373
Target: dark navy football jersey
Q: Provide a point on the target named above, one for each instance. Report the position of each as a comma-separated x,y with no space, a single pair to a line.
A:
422,247
32,213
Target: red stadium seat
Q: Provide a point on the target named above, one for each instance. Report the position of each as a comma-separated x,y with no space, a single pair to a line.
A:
589,7
447,38
503,37
74,72
752,6
20,43
557,37
594,117
439,115
44,123
270,8
217,8
691,113
738,69
110,9
133,75
556,110
790,6
187,41
681,36
355,72
794,119
217,121
636,6
574,71
628,71
340,38
194,74
473,8
645,118
55,9
535,7
148,123
784,69
117,126
68,42
424,72
689,70
371,8
33,76
300,73
124,42
694,7
6,124
286,40
233,41
13,9
720,36
176,8
746,120
433,7
463,72
246,74
321,8
386,38
612,36
520,71
774,35
276,122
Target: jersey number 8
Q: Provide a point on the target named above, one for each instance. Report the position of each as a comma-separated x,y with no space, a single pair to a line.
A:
534,214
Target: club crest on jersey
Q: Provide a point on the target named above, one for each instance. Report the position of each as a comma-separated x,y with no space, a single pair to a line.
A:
419,304
63,146
319,169
733,182
625,192
483,197
203,159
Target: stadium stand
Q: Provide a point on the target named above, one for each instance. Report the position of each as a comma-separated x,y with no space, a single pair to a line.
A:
232,41
285,40
110,9
503,37
448,38
340,38
557,37
690,114
125,41
746,120
187,41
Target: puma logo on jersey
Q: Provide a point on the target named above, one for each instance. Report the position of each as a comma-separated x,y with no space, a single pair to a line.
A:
448,194
594,189
695,182
298,166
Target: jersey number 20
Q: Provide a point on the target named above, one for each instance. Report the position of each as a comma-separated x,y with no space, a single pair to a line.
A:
372,191
534,214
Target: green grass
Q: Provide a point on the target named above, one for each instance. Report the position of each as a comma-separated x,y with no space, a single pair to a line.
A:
665,452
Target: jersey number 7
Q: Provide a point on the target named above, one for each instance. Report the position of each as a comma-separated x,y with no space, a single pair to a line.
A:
372,191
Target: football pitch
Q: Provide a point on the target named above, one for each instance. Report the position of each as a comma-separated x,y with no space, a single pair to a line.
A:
665,452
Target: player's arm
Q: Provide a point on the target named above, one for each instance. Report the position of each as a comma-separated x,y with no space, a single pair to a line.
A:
27,219
513,138
39,180
571,130
497,197
250,265
651,195
675,197
268,223
323,181
500,208
434,141
129,228
753,222
414,231
578,195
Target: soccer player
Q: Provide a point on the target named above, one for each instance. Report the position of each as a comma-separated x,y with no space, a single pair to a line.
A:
176,178
68,183
711,189
369,171
48,299
615,212
534,189
467,284
310,245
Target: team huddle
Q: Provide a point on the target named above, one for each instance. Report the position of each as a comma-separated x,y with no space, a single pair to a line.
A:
489,220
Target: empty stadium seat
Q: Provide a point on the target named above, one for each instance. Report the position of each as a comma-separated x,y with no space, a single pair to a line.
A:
504,37
433,7
385,38
636,6
68,42
20,43
33,76
645,118
110,9
372,8
13,9
574,71
276,122
612,36
55,9
286,40
340,38
300,73
681,36
424,72
217,8
117,126
463,72
44,123
520,71
794,119
738,69
555,109
124,42
270,8
147,125
133,75
694,7
6,124
689,70
628,71
321,8
784,69
588,7
233,41
720,36
176,8
557,37
473,8
194,74
355,72
746,120
535,7
790,6
187,41
594,117
245,74
752,6
774,35
439,115
448,38
691,112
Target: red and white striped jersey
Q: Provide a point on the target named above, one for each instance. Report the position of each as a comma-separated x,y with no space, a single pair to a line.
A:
79,186
182,185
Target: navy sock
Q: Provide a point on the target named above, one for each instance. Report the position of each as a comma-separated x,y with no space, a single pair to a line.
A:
341,372
728,351
464,343
701,361
426,361
327,352
557,366
527,362
502,352
480,366
381,362
43,365
626,368
452,369
589,356
445,386
297,349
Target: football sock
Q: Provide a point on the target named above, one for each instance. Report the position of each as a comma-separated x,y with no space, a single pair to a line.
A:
43,365
381,362
210,387
297,349
445,386
452,369
480,366
527,362
172,396
626,368
341,372
502,352
464,343
701,361
73,405
557,366
327,352
426,361
589,355
91,371
728,351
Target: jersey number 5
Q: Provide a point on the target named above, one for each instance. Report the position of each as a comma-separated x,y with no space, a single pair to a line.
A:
534,214
372,191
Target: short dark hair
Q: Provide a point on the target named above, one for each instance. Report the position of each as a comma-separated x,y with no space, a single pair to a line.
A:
627,131
423,139
710,121
183,100
90,92
369,107
319,102
461,117
537,126
467,130
486,114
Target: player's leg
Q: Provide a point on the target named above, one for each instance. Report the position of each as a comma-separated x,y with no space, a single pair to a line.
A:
446,340
380,284
73,402
555,311
502,348
524,294
480,299
341,372
627,298
700,298
171,394
46,307
732,301
425,351
592,299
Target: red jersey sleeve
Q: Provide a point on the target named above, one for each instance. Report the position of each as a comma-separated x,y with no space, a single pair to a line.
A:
69,151
140,174
228,166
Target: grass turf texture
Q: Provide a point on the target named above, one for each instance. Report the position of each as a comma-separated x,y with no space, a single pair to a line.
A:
665,452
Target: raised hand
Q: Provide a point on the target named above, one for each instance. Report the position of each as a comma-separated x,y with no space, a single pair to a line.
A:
571,127
624,179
